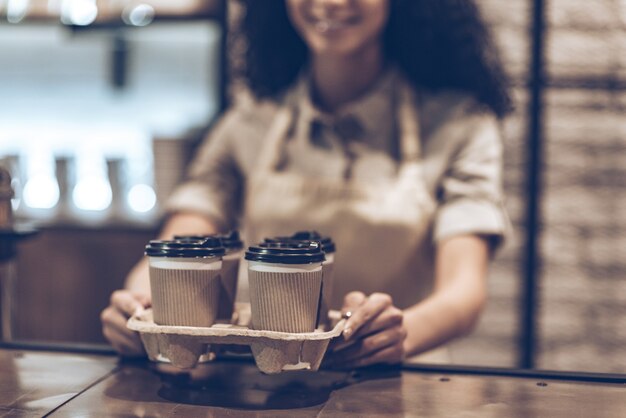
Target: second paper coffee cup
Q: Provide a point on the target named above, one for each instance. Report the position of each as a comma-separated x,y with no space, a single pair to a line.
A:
185,281
328,247
230,269
328,267
285,286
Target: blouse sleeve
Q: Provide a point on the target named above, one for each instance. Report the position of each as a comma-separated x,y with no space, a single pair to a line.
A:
214,181
471,197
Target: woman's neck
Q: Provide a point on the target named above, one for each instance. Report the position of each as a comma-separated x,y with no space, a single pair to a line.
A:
340,79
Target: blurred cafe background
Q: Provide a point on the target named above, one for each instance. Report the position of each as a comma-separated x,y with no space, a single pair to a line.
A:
103,101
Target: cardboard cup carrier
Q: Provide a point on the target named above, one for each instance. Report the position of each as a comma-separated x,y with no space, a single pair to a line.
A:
285,299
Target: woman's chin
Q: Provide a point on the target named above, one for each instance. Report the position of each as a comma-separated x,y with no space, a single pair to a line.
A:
334,47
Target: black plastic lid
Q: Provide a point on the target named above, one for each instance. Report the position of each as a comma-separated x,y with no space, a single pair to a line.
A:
186,248
286,244
311,253
328,245
230,241
278,240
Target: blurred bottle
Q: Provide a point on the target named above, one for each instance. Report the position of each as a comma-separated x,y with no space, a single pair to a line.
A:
118,210
64,168
9,236
7,254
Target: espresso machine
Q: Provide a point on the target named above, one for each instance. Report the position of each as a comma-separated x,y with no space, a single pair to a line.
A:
10,235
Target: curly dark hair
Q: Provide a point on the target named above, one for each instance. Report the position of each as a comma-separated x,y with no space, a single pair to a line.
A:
438,44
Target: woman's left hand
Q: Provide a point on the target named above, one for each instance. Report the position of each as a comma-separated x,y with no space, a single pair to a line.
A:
374,332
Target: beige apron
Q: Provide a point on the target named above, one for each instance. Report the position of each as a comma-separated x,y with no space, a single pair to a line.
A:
379,228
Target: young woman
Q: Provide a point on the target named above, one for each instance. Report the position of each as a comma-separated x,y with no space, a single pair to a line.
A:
375,122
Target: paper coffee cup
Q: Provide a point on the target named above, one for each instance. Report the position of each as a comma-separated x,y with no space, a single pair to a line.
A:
329,249
328,268
230,270
185,281
285,287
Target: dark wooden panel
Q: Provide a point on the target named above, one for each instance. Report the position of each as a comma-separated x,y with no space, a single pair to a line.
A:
33,384
65,278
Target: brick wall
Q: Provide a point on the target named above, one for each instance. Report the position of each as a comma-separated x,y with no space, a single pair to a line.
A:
582,309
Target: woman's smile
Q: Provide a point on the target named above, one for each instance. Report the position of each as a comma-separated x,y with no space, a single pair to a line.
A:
332,25
339,27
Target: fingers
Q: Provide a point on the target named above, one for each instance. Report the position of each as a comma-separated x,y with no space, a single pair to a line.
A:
370,347
390,355
365,312
128,302
125,301
144,299
352,301
123,340
125,345
388,318
373,334
114,318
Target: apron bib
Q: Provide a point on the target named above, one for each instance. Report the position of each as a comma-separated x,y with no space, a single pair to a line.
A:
379,228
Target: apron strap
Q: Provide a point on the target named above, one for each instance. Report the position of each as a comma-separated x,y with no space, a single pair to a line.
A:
271,148
408,118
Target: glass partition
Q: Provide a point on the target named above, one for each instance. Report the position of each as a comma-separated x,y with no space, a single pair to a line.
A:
102,103
95,124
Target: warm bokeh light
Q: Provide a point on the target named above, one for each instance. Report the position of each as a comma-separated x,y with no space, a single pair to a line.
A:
16,10
92,193
79,12
138,15
141,198
41,192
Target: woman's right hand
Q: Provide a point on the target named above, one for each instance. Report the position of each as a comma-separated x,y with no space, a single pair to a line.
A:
123,305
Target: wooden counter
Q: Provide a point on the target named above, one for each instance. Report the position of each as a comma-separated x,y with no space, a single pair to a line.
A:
33,383
76,385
